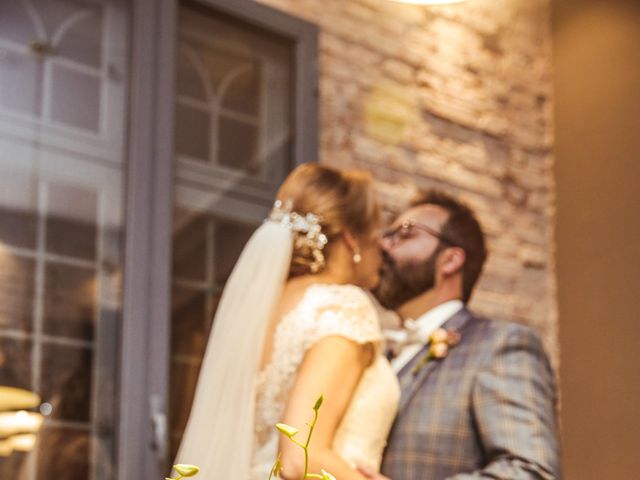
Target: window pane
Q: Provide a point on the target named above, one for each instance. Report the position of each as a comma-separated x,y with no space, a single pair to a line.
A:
16,462
17,205
190,246
242,76
241,88
230,240
190,322
192,132
17,280
15,363
66,381
63,453
20,82
69,306
71,221
82,41
184,378
193,78
54,14
238,147
15,24
75,99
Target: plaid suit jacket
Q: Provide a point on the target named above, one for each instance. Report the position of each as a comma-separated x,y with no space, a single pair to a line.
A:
485,411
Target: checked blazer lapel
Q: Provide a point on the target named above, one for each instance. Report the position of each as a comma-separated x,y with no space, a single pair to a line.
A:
410,382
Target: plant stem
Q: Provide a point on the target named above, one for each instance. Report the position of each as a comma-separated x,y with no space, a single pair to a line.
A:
306,447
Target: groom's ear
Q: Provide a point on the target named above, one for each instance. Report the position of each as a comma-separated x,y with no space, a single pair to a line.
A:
452,260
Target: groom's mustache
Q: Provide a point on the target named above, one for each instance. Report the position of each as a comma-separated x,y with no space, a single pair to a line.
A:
392,282
387,264
391,272
402,282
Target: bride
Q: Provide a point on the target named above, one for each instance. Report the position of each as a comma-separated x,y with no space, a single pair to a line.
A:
294,322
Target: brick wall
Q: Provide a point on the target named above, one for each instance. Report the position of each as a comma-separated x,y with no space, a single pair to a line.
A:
457,97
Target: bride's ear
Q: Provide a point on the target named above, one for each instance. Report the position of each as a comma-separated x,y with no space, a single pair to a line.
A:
352,244
350,241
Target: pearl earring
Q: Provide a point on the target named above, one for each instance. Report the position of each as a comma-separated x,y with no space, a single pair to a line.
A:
357,258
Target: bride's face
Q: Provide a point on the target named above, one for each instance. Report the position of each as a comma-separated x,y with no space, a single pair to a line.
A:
367,272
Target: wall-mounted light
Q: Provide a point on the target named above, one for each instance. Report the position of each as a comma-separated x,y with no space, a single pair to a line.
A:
12,398
429,2
18,429
16,423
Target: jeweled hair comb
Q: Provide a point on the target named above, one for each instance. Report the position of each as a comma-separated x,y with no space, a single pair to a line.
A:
308,230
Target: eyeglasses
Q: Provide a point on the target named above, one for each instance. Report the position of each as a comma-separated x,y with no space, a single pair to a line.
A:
404,230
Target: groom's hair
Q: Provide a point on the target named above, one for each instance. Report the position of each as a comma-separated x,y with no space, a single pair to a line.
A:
463,228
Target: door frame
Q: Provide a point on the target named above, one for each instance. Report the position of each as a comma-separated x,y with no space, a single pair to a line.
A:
145,333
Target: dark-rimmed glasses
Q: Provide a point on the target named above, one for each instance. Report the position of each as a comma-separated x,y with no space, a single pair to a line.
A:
403,232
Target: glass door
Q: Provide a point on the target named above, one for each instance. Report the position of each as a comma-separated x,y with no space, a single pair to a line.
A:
233,136
63,72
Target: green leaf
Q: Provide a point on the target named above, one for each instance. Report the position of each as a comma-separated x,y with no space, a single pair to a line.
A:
318,404
327,476
186,470
277,467
286,429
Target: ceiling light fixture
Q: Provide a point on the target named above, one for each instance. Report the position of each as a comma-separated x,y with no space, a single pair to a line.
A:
429,2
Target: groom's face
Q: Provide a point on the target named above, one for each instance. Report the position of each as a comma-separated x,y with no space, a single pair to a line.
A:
410,250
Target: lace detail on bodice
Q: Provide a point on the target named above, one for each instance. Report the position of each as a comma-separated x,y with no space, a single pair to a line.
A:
327,310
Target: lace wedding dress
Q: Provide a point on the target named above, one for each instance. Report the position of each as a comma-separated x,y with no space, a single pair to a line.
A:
328,310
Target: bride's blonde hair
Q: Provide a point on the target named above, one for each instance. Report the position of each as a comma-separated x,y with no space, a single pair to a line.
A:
344,200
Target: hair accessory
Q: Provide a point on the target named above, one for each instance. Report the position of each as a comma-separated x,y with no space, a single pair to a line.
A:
307,228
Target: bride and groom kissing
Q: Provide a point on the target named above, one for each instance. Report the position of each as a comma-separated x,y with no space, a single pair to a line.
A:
464,398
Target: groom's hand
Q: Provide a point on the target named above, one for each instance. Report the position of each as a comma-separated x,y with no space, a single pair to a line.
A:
367,472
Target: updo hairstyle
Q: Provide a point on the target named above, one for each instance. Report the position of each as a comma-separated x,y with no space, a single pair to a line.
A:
344,200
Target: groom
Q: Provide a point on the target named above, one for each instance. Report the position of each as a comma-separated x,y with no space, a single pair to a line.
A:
478,396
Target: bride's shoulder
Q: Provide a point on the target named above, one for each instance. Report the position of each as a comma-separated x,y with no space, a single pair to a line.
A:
345,300
345,310
339,294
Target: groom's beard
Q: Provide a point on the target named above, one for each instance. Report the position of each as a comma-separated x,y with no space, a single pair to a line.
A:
399,284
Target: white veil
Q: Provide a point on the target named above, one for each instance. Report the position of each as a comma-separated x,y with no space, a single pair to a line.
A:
219,433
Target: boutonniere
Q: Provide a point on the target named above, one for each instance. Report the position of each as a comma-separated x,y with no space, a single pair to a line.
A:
441,341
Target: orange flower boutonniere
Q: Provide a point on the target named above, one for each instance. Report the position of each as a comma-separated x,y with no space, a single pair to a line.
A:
441,341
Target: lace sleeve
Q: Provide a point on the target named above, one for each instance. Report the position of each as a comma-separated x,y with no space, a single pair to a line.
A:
346,311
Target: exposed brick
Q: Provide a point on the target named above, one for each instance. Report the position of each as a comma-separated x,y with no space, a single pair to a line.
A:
456,97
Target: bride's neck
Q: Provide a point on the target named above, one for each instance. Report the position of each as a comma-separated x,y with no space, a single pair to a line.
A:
329,275
323,278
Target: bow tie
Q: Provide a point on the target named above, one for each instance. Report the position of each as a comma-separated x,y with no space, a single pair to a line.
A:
413,332
410,334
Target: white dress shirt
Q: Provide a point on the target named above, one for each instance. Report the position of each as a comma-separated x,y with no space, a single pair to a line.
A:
417,332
